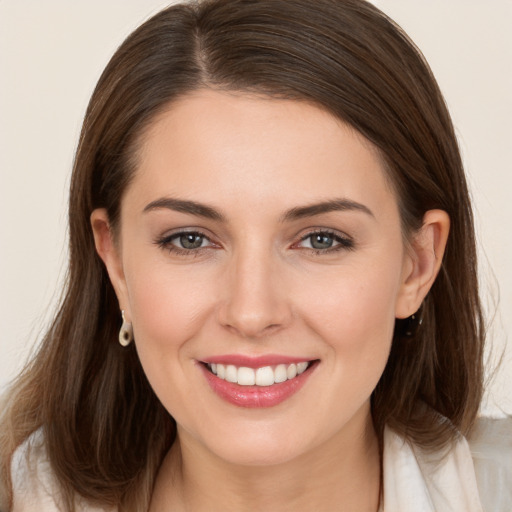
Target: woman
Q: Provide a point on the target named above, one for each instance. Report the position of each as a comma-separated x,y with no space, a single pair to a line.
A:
272,299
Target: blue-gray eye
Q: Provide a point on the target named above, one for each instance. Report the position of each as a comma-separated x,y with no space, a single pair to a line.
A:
325,241
191,240
321,241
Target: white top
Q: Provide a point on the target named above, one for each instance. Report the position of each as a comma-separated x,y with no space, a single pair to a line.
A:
474,477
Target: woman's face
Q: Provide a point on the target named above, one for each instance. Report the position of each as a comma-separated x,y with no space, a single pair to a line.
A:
258,234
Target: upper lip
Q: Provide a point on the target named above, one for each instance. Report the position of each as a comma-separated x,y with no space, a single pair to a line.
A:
255,361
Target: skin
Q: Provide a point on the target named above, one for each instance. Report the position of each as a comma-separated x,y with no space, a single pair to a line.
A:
257,287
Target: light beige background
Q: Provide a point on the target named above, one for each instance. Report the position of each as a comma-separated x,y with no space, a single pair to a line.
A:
52,53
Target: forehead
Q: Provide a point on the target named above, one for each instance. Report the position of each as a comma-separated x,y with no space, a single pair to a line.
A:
220,146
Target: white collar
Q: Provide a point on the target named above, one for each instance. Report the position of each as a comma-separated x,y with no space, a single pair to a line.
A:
415,480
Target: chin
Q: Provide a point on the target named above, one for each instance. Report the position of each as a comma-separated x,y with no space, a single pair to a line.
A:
258,450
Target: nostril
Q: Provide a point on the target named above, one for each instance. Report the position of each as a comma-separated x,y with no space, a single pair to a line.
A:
253,330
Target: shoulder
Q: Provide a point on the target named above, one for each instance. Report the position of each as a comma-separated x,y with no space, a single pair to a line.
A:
491,448
35,487
33,483
428,481
474,474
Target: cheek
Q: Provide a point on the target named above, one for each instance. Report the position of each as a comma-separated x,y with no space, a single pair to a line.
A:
354,301
168,309
354,317
167,304
355,322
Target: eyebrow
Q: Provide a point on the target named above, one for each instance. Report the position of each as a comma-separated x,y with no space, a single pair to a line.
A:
332,205
183,206
297,213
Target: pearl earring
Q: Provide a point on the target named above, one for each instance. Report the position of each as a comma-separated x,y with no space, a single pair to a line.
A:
126,332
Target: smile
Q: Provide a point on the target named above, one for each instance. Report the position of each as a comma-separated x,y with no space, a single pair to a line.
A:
263,376
256,384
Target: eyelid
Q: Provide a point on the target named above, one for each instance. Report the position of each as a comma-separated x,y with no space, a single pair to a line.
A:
343,240
165,241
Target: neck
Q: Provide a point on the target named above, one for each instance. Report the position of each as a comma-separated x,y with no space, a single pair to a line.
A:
341,474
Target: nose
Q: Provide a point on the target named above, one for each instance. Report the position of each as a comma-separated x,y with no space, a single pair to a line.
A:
255,299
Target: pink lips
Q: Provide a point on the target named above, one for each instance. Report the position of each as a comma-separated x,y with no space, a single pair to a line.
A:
254,362
255,396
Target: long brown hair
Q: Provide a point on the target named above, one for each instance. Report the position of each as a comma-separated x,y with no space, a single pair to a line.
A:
105,431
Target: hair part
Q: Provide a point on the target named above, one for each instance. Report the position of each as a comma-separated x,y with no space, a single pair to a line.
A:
105,431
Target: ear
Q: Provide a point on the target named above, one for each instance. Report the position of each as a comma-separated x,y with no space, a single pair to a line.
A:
423,262
109,252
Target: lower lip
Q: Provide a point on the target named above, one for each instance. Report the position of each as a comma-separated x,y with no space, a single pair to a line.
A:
256,396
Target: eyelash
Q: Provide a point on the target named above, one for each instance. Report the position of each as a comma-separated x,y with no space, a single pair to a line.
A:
344,243
166,243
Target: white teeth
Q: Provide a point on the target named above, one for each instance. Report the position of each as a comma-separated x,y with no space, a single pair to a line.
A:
291,371
246,376
231,373
264,376
280,373
301,367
